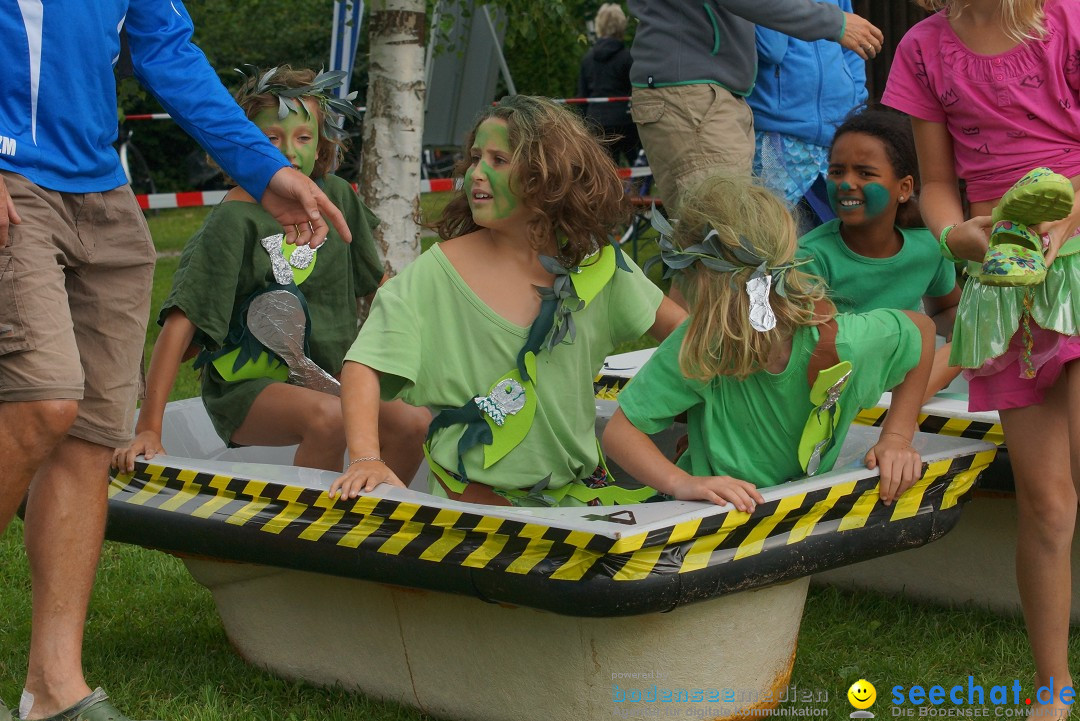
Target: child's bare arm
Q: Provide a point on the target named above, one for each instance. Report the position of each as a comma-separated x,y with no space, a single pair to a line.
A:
899,463
635,452
360,410
942,311
668,317
170,350
939,199
942,373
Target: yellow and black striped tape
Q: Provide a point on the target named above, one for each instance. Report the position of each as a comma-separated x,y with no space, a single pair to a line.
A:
943,425
475,540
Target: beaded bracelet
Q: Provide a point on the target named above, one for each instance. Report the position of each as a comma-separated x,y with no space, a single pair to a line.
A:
366,458
943,243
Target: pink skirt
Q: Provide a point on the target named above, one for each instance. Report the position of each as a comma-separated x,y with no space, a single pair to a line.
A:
1004,382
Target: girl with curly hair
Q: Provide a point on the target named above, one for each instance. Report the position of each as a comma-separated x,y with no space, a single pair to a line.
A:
503,326
769,376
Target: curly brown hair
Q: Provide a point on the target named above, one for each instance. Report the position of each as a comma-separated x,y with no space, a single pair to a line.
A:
330,150
562,174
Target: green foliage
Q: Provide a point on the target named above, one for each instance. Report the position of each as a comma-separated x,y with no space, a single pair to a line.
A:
544,44
266,34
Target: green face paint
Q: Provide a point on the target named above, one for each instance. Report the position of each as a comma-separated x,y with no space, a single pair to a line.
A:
489,179
877,199
296,135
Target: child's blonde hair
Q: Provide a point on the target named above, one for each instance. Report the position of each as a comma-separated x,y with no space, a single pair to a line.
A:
1021,19
720,339
610,21
562,174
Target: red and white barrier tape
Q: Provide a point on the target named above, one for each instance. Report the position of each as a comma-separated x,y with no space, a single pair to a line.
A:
362,108
197,198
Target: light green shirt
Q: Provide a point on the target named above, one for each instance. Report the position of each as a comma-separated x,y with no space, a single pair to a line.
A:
750,430
858,284
436,344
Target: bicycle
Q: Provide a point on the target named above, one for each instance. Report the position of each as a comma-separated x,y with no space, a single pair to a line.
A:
134,164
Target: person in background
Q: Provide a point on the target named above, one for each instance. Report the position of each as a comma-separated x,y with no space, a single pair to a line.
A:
804,90
694,65
76,266
605,73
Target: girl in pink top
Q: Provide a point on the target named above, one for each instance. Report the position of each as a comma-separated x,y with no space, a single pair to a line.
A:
992,90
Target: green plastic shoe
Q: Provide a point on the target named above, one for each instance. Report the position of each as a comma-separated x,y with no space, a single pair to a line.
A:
95,707
1039,196
1014,258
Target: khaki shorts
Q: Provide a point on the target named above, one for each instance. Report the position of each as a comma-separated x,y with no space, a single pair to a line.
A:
689,131
75,282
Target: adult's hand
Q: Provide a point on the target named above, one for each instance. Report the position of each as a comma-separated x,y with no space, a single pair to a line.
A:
299,205
8,216
861,36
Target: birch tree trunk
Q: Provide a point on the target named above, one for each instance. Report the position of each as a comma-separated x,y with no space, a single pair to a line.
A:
394,127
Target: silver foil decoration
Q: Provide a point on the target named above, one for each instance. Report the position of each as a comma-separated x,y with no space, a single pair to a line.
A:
278,264
762,318
277,320
302,256
827,406
505,399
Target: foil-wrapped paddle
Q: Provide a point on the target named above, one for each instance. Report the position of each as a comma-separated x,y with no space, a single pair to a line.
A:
277,320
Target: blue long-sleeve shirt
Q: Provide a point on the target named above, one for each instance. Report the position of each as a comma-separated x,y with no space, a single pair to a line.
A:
58,109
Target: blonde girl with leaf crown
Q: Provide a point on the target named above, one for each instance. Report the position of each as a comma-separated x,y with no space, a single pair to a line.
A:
502,327
238,263
768,375
993,91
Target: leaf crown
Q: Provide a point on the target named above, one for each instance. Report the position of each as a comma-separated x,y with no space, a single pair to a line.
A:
334,109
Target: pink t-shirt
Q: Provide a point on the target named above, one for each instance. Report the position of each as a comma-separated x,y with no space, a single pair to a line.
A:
1006,113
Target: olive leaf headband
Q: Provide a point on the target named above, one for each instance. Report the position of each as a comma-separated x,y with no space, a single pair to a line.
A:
334,110
712,254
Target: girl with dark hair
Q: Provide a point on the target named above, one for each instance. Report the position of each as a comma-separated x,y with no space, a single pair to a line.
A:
867,256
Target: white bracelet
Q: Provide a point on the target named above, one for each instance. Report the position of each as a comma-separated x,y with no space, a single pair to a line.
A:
366,458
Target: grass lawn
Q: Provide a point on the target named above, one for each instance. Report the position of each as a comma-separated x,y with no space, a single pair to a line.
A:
153,639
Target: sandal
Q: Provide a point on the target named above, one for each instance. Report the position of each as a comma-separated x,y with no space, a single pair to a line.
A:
95,707
1039,196
1014,258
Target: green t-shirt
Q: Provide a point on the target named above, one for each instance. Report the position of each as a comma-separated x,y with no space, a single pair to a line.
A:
750,430
223,265
858,284
437,344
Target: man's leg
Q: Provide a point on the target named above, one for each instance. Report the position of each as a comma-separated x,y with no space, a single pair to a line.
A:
65,525
691,131
29,432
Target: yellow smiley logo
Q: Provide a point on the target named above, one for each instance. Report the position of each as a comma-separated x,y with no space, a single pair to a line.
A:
862,694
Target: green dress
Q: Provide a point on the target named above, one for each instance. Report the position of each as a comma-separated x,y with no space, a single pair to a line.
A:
989,316
750,429
435,343
224,265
